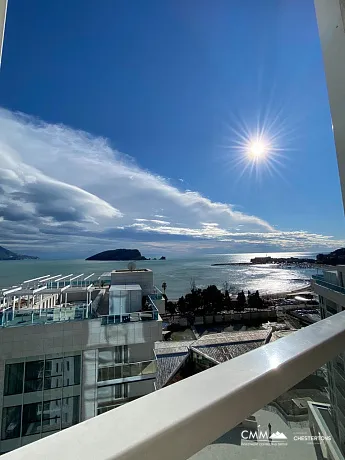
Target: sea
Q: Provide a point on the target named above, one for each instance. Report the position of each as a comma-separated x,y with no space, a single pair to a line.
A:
178,273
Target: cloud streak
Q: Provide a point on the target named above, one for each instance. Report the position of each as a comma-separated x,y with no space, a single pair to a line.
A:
65,187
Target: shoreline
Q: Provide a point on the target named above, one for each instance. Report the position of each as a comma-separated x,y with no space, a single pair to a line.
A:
273,295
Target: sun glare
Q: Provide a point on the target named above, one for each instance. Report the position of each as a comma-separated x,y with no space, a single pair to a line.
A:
258,150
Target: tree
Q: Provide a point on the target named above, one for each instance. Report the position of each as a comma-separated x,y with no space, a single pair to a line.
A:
227,300
241,300
212,299
255,301
164,286
181,305
171,308
194,301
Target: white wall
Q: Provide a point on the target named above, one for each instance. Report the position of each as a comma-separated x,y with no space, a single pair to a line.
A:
144,278
124,300
330,18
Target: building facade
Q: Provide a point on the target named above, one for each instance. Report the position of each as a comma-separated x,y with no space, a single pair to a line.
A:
331,291
62,371
330,286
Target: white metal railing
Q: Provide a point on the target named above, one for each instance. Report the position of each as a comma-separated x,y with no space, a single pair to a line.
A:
177,421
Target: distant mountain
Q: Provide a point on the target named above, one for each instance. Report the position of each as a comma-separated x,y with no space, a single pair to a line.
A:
5,254
118,254
336,257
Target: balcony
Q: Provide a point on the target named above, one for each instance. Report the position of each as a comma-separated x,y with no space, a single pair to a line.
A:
151,314
177,421
320,280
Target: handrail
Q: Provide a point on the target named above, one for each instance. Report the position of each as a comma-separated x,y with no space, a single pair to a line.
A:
177,421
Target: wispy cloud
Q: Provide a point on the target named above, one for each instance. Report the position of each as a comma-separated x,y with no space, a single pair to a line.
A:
65,187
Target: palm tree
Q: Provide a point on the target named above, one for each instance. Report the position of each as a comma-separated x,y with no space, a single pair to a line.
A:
164,286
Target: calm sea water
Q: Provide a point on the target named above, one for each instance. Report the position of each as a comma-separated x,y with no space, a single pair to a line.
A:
177,273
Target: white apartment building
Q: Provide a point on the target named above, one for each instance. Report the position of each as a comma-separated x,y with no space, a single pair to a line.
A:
330,286
57,370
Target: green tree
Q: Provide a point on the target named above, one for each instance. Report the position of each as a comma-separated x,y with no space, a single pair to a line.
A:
241,301
255,301
212,299
182,305
227,300
164,286
170,308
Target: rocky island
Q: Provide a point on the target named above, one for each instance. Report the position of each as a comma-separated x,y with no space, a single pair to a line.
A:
5,254
120,255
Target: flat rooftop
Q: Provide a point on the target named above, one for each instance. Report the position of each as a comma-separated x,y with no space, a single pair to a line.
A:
137,270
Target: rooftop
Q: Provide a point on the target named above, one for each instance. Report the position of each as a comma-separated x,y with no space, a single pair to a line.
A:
136,270
218,348
222,353
232,337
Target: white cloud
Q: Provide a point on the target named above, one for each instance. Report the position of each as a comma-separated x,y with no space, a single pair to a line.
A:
65,186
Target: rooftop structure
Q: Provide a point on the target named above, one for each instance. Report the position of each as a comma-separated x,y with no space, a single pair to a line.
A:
89,349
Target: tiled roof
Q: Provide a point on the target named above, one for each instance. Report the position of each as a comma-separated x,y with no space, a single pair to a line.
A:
219,347
163,348
232,337
222,353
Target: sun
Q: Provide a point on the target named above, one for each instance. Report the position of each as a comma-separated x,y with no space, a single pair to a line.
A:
259,145
258,149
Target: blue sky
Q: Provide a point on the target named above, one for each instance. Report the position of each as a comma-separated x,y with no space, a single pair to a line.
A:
133,110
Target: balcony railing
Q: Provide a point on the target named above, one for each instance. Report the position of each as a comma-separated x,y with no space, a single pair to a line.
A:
179,420
321,282
151,314
30,316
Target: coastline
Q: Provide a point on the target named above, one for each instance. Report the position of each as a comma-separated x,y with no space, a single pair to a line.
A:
273,295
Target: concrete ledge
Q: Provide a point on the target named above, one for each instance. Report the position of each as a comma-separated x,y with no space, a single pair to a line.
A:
194,412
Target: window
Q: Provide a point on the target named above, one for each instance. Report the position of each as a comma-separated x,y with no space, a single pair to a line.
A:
11,422
114,355
31,419
51,415
14,379
52,377
72,371
118,391
332,310
33,376
149,367
70,411
110,373
108,394
118,355
59,414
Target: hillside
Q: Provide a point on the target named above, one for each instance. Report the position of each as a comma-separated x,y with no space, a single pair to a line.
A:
118,254
336,257
5,254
